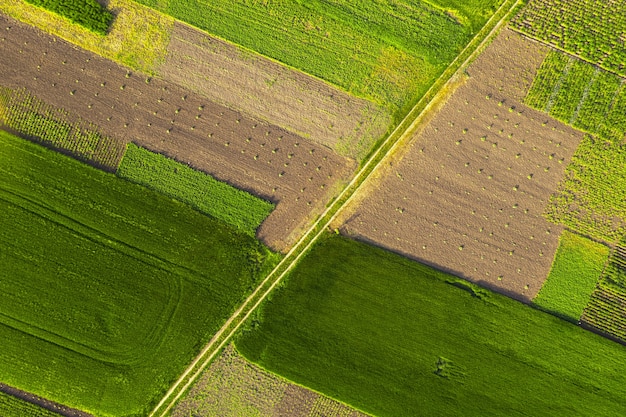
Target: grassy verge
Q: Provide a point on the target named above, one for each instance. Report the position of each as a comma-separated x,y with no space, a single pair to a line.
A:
386,52
109,289
126,39
397,338
201,191
575,272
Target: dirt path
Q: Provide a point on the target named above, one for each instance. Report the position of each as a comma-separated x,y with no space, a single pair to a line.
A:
298,175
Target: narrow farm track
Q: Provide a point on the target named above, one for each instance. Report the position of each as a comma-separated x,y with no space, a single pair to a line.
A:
379,158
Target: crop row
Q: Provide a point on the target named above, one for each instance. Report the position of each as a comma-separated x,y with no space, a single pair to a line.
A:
15,407
201,191
605,310
87,13
590,29
581,95
51,126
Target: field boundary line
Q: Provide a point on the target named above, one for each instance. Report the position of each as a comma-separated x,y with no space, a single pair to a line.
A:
403,130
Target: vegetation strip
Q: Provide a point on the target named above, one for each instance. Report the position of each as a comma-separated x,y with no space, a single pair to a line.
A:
575,272
122,284
87,13
402,132
397,338
236,207
18,403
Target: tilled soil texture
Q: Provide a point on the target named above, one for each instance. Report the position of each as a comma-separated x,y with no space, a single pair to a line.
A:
233,387
269,91
252,155
469,193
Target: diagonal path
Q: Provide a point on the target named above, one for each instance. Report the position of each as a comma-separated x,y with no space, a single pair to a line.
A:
401,134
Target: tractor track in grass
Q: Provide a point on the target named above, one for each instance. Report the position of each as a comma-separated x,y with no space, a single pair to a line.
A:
399,136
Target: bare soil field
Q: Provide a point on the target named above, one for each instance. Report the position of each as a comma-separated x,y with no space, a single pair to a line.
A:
469,193
269,91
233,387
253,155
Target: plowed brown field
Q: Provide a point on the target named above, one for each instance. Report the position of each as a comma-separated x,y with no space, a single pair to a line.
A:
469,193
269,91
250,154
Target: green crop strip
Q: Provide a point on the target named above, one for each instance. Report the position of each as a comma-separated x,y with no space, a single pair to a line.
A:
396,338
590,29
201,191
15,407
575,272
109,289
87,13
387,52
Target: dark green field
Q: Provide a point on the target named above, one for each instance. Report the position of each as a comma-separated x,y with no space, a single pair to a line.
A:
238,208
575,272
396,338
14,407
109,289
388,52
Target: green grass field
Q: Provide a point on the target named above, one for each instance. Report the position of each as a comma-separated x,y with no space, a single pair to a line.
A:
197,189
14,407
388,52
396,338
88,13
109,289
575,272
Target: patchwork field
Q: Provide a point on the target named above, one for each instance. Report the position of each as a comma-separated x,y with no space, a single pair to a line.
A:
119,289
590,29
234,387
296,174
469,194
272,92
396,338
387,52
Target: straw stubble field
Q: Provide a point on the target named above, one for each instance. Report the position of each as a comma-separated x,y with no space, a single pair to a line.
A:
468,195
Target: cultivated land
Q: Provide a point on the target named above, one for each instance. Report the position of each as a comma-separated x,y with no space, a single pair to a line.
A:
396,338
234,387
296,174
469,194
269,91
121,287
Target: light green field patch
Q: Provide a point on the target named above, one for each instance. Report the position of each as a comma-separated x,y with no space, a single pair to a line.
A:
137,38
575,272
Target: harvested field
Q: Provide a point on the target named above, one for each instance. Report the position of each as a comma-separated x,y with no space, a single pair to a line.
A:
249,154
233,387
270,91
469,194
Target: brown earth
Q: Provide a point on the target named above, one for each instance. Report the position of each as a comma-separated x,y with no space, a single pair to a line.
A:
270,91
232,387
298,175
468,194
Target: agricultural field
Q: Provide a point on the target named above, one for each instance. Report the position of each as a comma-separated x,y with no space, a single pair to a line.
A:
576,269
241,210
54,127
234,387
297,175
125,40
606,309
467,195
16,403
590,29
396,338
581,95
88,13
120,288
267,90
389,53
